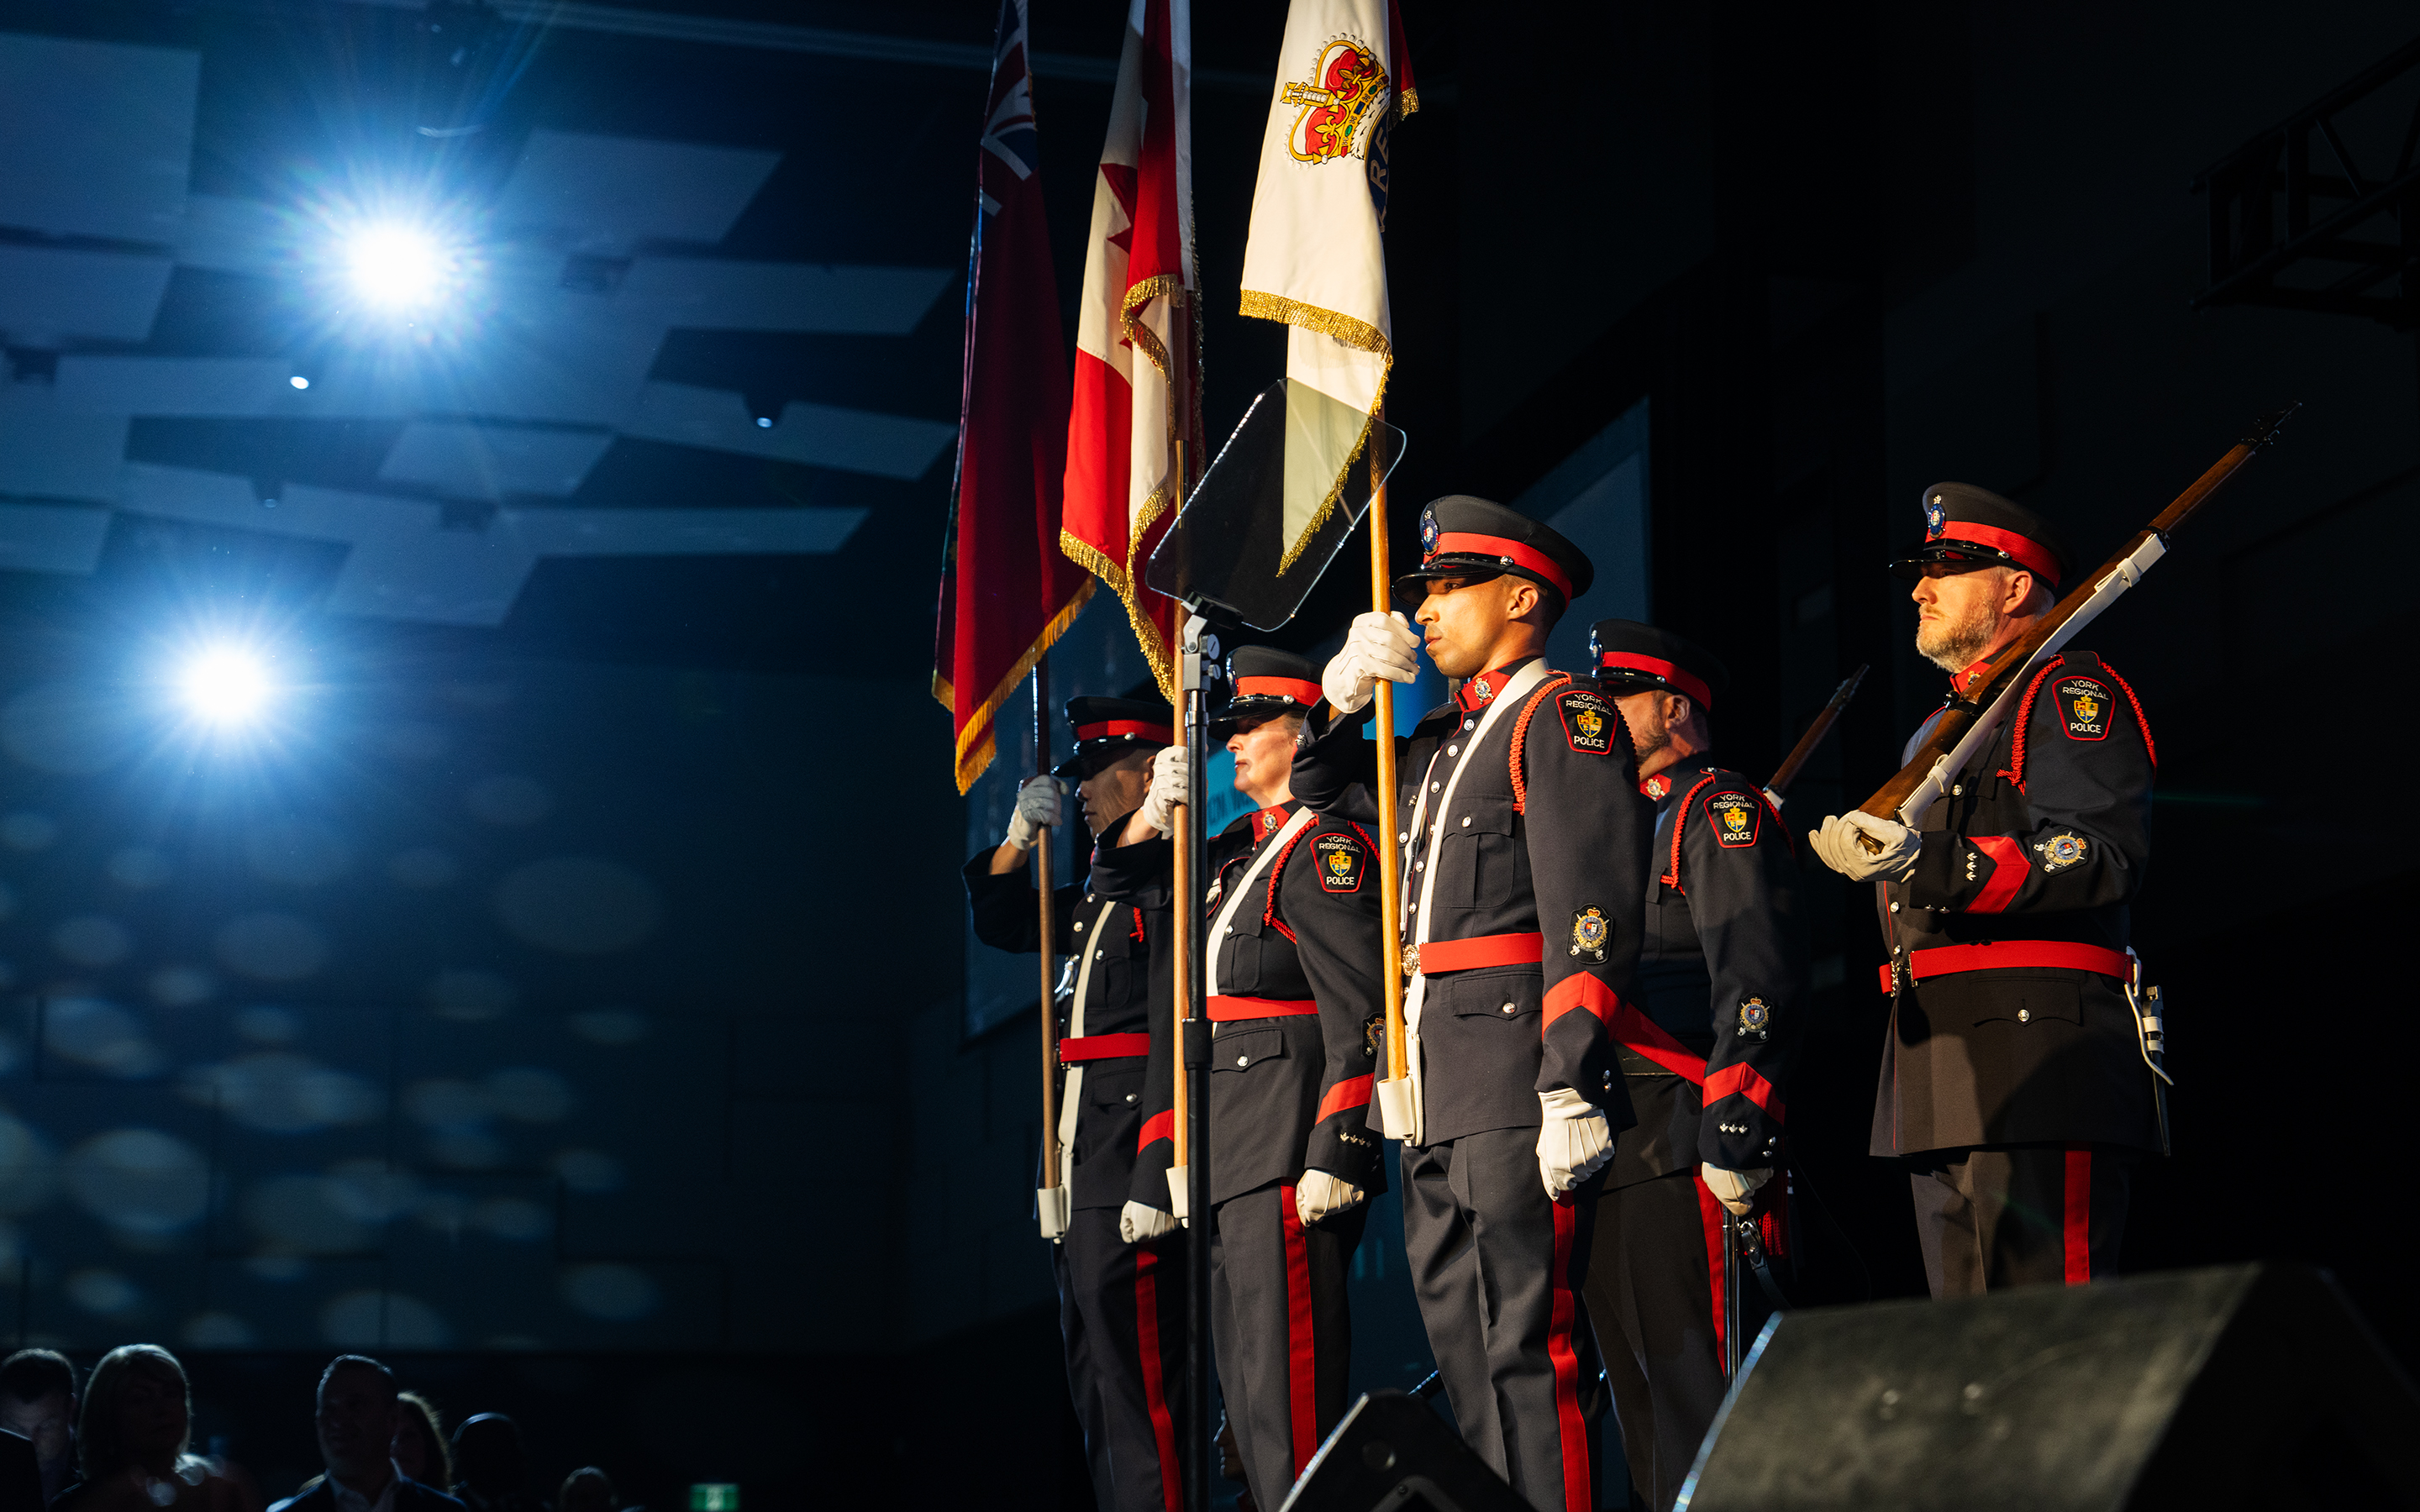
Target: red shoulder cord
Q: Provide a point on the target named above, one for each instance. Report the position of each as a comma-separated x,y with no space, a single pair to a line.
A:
2015,771
1521,734
2140,723
1680,817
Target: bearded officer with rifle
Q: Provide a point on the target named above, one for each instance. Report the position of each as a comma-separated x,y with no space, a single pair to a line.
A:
1120,1306
1721,1009
1526,844
2015,1082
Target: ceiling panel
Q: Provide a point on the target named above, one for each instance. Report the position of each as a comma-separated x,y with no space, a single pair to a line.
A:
53,456
706,293
470,461
115,139
197,386
619,191
851,441
62,538
50,293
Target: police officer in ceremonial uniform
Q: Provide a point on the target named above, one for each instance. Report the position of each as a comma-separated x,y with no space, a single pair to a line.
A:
1525,851
1293,988
1121,1307
2015,1084
1721,1009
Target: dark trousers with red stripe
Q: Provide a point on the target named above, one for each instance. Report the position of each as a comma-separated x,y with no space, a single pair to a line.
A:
1497,1268
1122,1314
2019,1215
1654,1296
1284,1335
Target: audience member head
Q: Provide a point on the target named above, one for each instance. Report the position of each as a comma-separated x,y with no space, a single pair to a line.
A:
137,1414
488,1455
357,1420
420,1449
587,1490
37,1398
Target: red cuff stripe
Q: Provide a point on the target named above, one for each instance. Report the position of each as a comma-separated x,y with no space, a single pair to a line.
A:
2079,1217
1742,1079
1580,991
1352,1092
2009,872
1158,1126
1630,661
1305,694
1507,548
1643,1036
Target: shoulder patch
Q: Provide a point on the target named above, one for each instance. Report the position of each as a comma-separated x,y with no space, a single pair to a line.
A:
1587,720
1736,816
1340,861
2083,706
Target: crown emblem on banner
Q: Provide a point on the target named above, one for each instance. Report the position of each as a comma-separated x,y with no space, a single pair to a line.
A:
1347,87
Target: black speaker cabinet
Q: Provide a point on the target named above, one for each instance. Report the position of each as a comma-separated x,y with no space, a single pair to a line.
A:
1393,1454
2228,1390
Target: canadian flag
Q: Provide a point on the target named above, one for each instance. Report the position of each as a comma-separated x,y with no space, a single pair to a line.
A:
1134,430
1316,258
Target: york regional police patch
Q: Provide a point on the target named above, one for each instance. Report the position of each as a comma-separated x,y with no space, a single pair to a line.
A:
2084,705
1734,816
1755,1019
1341,862
2061,850
1587,720
1589,931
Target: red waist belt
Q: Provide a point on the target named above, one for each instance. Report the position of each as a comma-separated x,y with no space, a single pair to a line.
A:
1228,1010
2006,955
1103,1047
1486,950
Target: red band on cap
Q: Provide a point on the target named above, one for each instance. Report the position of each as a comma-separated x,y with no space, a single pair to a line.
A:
1124,726
1510,550
1624,661
1303,693
2030,554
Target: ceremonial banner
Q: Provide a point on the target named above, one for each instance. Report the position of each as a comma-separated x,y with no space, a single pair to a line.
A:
1138,346
1007,590
1315,260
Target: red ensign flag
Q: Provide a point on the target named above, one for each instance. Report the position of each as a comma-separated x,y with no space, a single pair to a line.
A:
1137,348
1007,590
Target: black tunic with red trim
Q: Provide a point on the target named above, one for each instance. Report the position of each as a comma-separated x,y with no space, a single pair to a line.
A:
1554,852
1131,973
1289,1090
1722,977
2032,858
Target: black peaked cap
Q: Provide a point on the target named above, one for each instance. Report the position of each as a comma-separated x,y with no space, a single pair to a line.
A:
1462,534
1107,729
1975,527
1632,657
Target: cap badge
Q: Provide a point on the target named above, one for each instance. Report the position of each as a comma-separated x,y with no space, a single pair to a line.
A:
1428,532
1936,519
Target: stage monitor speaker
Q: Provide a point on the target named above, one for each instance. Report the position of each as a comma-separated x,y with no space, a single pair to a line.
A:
2224,1390
1393,1454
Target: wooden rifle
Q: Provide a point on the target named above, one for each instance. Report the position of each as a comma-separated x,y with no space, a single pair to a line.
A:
1796,761
1972,719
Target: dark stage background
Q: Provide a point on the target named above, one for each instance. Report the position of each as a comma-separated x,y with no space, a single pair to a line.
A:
572,1003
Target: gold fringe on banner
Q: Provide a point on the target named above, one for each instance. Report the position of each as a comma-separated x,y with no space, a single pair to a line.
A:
1351,333
977,743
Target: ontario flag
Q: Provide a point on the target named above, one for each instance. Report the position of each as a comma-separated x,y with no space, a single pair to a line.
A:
1316,258
1007,590
1138,343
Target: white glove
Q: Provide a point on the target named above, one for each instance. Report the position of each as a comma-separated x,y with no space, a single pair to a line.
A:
1319,1193
1378,645
1836,845
1735,1190
1139,1223
1575,1142
1037,804
1170,776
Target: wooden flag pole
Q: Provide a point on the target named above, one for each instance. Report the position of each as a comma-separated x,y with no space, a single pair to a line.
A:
1183,942
1046,922
1391,853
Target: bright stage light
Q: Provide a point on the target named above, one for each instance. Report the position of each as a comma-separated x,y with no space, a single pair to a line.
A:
225,685
399,266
